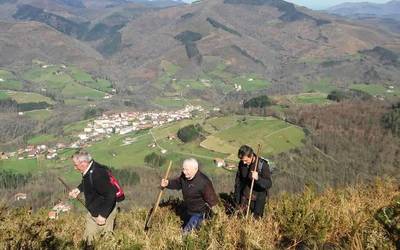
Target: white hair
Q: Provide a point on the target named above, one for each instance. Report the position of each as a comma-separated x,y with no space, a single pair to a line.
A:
191,162
82,156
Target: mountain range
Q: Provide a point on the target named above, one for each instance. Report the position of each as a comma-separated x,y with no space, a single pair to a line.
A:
390,9
131,42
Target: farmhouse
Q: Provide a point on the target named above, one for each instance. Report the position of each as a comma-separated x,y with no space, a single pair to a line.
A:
3,156
219,162
20,196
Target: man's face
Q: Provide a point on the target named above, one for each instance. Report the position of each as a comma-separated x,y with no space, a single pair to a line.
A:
247,160
80,166
189,172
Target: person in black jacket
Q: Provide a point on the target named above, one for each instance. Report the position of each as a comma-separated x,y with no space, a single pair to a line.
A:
198,193
244,176
100,197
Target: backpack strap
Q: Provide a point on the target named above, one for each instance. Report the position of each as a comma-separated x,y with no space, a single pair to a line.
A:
260,165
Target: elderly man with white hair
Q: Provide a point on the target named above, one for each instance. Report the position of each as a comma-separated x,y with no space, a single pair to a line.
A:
197,190
99,195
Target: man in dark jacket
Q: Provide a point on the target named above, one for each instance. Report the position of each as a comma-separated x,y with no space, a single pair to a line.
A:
197,190
262,181
100,197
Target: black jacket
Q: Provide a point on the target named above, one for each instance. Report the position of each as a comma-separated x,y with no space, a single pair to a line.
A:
198,193
243,181
99,192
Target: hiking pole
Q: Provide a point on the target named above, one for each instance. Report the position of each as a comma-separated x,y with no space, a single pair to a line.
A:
252,181
68,188
154,210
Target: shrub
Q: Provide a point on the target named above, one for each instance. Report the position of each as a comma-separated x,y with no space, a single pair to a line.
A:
154,160
190,133
391,120
258,102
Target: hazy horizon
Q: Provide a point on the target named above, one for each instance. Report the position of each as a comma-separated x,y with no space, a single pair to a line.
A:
320,5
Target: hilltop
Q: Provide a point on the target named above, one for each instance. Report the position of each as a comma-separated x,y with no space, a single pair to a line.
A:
334,219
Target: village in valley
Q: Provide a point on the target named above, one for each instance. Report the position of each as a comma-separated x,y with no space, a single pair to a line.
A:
103,127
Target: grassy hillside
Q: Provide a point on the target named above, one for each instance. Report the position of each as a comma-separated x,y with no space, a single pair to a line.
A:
335,219
224,136
275,135
375,89
71,82
28,97
9,81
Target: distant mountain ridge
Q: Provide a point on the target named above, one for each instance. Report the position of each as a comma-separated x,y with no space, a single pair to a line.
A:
389,9
214,40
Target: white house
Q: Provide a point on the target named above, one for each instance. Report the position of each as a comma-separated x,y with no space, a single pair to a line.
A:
87,130
83,136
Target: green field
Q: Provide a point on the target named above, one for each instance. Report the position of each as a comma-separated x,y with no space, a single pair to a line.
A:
52,77
76,127
173,102
375,89
323,86
275,135
310,98
71,82
80,75
42,139
8,81
111,151
20,166
222,138
86,79
251,82
74,90
29,97
3,95
39,115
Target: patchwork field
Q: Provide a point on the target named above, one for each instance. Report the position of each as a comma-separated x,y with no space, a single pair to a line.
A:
3,95
251,82
28,97
375,89
221,138
71,82
172,102
9,81
274,135
39,115
316,98
323,86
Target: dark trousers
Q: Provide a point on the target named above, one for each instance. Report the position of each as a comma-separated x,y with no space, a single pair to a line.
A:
257,206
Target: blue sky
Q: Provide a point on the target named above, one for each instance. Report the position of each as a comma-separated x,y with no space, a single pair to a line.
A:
323,4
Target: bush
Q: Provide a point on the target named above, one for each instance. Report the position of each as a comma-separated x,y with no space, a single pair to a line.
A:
126,176
302,219
154,160
190,133
391,120
258,102
12,180
340,95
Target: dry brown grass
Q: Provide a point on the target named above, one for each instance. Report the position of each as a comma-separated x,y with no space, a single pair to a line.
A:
340,219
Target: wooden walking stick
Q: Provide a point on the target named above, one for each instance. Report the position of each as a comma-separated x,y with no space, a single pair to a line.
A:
69,189
154,210
252,180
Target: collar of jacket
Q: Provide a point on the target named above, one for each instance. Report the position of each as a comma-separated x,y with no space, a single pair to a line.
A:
88,168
